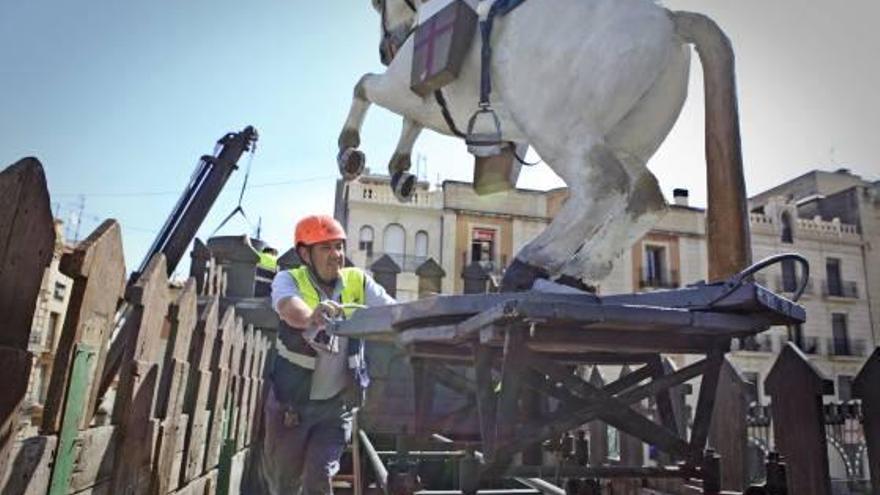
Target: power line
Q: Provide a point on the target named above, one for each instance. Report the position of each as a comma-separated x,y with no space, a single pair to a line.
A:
167,193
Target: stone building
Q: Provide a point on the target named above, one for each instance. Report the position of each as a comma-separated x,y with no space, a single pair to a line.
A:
49,314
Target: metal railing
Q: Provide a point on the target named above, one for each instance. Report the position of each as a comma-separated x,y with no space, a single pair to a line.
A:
779,285
846,347
845,288
665,280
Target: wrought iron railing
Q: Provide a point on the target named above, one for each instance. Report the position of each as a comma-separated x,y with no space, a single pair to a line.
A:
845,288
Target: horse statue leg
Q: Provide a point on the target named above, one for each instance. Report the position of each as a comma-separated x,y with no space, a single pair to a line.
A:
402,182
644,208
599,187
352,161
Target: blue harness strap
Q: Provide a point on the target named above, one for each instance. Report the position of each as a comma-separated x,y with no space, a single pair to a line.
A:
499,8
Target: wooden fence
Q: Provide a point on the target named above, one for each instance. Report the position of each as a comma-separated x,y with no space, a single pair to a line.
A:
188,396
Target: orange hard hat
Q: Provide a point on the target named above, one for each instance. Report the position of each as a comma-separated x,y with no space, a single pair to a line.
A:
318,228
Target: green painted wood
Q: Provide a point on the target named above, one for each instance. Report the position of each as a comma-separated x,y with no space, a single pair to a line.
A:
77,394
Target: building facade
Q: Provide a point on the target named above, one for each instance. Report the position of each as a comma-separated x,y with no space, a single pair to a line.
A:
49,314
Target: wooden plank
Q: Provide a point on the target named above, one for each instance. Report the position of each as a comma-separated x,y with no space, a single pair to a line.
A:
514,358
631,448
27,242
729,433
30,464
95,455
866,387
84,357
138,379
598,429
97,268
706,402
199,383
219,386
796,388
182,316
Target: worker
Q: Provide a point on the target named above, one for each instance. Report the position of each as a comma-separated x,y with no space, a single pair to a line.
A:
318,378
268,259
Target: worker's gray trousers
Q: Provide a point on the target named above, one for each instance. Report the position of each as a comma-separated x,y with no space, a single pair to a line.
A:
303,456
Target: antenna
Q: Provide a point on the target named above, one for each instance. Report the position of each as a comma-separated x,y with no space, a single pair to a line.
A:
77,217
259,227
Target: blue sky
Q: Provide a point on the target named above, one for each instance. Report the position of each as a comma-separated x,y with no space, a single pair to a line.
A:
119,99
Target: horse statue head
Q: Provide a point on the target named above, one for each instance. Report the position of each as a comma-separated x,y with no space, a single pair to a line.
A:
397,20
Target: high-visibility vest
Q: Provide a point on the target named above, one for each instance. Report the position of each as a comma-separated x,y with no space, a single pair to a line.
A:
268,261
295,358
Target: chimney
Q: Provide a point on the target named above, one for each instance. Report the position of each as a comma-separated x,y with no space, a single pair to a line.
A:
680,196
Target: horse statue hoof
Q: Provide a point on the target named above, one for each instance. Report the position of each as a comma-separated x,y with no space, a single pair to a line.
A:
520,276
351,163
404,186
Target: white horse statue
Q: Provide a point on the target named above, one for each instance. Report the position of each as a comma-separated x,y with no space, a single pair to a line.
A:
594,86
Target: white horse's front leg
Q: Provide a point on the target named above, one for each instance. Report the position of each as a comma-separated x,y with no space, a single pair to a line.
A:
352,161
402,182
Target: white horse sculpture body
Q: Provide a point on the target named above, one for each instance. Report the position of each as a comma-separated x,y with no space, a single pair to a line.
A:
594,86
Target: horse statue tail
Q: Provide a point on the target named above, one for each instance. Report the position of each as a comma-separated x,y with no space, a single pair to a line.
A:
727,218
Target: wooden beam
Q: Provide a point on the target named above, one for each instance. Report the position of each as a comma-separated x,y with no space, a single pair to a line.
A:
706,402
486,397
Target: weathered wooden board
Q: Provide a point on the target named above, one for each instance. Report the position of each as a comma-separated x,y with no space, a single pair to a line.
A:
796,388
27,241
138,380
172,387
30,464
866,387
95,456
729,433
97,268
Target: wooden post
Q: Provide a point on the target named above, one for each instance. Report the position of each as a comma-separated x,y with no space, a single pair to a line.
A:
219,386
866,387
631,448
727,221
598,429
27,241
138,378
728,434
430,275
475,278
172,387
796,388
385,272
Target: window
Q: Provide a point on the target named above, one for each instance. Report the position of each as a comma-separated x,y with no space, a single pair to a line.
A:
832,273
785,220
60,291
394,241
789,276
655,260
840,335
421,244
483,247
54,319
844,387
365,240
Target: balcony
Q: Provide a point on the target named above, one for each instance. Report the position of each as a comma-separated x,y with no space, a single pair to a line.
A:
779,286
664,280
844,289
846,347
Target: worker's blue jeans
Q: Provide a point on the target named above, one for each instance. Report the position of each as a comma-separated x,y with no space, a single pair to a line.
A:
303,456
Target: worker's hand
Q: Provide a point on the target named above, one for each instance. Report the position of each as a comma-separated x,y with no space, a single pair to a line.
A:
327,310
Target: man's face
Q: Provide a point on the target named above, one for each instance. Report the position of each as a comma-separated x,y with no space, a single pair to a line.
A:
326,258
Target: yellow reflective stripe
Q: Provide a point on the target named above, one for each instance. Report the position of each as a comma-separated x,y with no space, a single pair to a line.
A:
296,358
306,289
